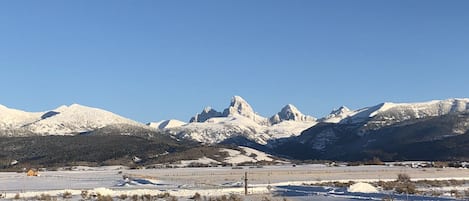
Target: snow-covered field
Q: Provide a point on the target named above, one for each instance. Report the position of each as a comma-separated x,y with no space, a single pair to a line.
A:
185,182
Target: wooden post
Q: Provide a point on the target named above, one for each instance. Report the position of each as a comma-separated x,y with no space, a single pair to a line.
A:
245,183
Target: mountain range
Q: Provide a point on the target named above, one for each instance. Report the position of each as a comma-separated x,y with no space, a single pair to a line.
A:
434,130
390,131
238,119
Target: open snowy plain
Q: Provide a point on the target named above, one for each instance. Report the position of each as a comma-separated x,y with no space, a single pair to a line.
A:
293,183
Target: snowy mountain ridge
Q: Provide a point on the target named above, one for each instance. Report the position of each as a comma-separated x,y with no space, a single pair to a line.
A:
240,119
64,120
211,126
388,113
13,119
239,106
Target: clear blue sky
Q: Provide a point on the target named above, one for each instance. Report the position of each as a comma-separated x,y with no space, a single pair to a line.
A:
154,60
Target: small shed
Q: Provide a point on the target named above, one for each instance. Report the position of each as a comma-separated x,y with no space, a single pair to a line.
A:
32,173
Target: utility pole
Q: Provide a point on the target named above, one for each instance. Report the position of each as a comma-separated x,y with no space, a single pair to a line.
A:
245,183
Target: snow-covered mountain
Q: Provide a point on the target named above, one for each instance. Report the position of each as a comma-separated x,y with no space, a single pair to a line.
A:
239,119
290,112
207,113
238,106
14,119
386,114
64,120
433,130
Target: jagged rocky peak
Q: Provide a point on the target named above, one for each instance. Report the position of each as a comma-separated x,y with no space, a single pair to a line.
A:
207,113
239,106
290,112
341,110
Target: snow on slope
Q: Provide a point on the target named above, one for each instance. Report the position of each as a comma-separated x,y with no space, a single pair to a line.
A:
250,155
233,156
166,124
215,130
424,109
220,128
257,155
287,128
390,113
337,115
14,119
76,119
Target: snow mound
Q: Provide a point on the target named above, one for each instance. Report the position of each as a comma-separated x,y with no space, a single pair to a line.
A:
362,188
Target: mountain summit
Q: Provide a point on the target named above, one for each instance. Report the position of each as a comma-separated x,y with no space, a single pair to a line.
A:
337,115
64,120
207,113
239,106
290,113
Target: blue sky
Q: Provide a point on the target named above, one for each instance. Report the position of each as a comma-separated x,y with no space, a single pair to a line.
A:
154,60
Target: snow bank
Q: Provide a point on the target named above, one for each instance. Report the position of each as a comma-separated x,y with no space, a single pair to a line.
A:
362,188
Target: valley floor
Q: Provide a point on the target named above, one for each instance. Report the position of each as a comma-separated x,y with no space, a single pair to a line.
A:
294,183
